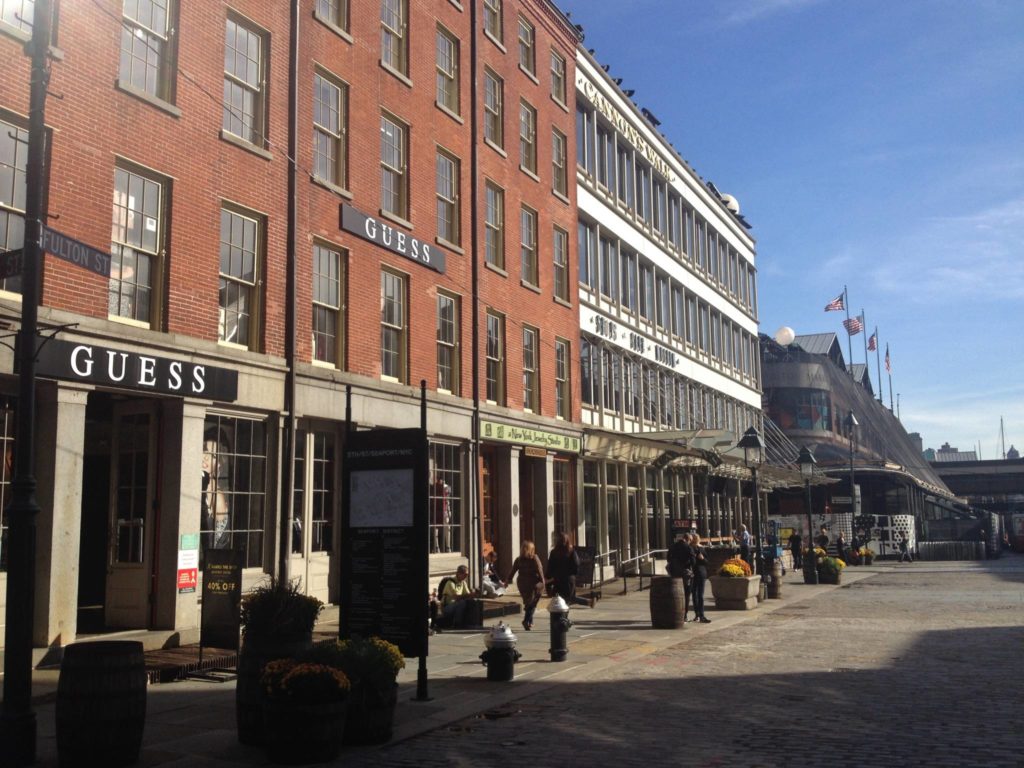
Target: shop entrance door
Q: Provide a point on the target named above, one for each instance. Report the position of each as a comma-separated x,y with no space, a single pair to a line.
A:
133,462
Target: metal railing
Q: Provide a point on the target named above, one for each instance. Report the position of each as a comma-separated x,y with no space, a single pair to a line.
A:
650,554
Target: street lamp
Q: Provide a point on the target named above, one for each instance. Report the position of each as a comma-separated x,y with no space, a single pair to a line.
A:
752,447
807,463
850,424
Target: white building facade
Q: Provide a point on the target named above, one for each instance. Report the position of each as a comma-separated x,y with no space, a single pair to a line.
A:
668,332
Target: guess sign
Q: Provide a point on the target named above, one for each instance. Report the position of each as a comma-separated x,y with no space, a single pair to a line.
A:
72,361
394,239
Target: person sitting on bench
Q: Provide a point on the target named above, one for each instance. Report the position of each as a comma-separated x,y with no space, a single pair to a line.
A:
456,597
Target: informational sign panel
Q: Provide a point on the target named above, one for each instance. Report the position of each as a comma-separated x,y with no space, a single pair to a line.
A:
384,524
585,575
222,599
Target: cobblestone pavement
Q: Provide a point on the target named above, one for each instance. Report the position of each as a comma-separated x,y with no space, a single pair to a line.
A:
920,665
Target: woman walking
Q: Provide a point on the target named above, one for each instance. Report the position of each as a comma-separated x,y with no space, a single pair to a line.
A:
700,577
563,565
530,581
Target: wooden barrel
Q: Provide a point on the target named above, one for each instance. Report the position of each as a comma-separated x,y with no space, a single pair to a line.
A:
101,703
668,602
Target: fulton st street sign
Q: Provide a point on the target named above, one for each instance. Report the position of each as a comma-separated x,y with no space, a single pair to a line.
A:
63,247
75,361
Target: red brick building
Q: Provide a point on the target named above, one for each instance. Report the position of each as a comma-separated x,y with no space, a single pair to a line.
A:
421,234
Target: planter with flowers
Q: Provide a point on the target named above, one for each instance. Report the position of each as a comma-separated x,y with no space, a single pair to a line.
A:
812,564
830,570
372,664
734,588
866,555
304,711
277,623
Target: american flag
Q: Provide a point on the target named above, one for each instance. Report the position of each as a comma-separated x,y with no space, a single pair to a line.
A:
837,304
888,365
854,325
873,342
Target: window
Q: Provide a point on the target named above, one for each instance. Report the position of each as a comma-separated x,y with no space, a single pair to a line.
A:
527,137
393,43
664,309
605,157
585,139
629,285
146,50
587,255
13,162
394,182
330,143
445,497
393,327
678,311
494,226
589,374
239,271
495,358
659,207
609,268
448,343
492,19
528,245
559,172
321,491
531,356
334,12
557,77
674,237
18,14
527,54
563,399
7,424
626,180
560,258
244,50
234,465
493,109
447,71
448,198
647,291
328,328
136,245
643,192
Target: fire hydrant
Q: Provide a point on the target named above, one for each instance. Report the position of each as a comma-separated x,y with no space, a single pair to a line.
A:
560,624
501,654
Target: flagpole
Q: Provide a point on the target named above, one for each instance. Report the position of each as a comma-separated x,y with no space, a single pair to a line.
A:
878,366
849,337
888,368
864,333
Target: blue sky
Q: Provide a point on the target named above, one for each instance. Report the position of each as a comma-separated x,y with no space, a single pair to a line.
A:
874,144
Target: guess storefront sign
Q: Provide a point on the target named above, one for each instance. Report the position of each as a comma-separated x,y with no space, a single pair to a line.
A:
395,240
72,361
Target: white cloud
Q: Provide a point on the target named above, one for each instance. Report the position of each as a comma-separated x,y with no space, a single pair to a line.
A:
753,10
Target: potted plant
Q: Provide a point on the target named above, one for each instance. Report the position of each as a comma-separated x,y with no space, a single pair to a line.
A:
372,664
830,570
733,587
303,711
866,555
277,623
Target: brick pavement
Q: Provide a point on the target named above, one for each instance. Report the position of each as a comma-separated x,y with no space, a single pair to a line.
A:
902,665
918,665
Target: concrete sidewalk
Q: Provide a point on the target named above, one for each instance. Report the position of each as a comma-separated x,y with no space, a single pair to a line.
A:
192,723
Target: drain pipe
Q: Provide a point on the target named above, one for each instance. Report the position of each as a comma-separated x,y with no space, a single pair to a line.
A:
473,541
288,454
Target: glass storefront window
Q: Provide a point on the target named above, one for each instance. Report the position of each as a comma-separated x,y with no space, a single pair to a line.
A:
445,496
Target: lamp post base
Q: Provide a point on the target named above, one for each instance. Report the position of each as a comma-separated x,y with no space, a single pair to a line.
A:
810,572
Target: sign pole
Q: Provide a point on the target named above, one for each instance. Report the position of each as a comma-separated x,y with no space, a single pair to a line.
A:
421,670
18,720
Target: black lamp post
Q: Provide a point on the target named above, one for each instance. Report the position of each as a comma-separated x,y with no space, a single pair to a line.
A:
807,463
752,447
850,423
